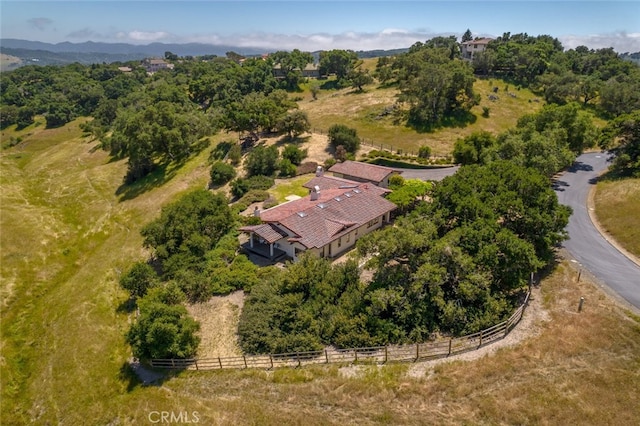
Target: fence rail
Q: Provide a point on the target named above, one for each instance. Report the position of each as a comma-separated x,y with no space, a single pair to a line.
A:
376,355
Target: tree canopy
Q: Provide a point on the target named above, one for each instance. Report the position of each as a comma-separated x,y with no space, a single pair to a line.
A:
622,137
188,228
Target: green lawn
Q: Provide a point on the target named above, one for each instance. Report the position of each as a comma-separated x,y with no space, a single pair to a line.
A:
293,186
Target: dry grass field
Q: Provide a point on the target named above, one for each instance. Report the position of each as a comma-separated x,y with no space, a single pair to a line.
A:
618,211
67,231
363,111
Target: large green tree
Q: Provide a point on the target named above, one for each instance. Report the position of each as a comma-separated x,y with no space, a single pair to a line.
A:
164,328
291,65
262,161
338,62
436,87
623,140
345,136
187,229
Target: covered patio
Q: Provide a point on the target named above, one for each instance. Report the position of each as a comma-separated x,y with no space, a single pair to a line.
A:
262,241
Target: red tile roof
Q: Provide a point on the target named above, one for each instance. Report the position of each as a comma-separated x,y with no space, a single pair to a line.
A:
267,231
364,171
336,211
330,182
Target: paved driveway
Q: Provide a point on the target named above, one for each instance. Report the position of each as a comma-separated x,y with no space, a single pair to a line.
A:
585,243
428,174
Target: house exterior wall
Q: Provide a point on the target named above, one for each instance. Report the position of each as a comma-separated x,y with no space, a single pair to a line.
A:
384,183
348,240
472,48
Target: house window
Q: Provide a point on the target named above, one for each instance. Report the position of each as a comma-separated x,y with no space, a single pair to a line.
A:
348,237
339,241
373,222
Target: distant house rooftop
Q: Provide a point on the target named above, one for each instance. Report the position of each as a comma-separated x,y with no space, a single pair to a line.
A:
155,64
480,41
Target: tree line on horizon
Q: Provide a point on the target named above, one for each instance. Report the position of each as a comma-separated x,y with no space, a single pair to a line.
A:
164,118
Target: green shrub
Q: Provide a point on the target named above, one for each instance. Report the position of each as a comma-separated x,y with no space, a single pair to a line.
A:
287,168
254,196
294,154
139,279
329,162
424,151
163,331
260,182
262,161
235,154
222,173
270,202
339,134
238,208
239,187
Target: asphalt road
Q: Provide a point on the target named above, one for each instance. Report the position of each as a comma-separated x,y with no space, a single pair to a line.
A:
428,174
586,244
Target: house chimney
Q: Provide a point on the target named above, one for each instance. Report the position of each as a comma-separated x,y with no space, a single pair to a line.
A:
315,193
319,171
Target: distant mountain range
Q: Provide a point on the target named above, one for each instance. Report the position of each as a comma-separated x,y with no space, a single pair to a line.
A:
23,52
17,53
153,49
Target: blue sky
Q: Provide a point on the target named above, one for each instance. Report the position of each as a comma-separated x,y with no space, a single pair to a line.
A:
315,25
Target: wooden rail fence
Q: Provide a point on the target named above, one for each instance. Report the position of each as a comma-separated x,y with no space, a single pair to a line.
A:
374,355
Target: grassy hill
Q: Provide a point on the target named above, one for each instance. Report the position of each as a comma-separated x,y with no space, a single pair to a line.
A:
68,230
366,113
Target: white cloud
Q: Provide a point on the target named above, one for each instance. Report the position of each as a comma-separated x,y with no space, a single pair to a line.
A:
621,42
386,39
389,38
144,36
393,31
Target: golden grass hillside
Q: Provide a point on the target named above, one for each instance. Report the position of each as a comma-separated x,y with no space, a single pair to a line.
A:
363,111
68,230
617,204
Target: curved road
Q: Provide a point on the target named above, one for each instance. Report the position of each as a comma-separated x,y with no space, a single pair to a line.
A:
585,242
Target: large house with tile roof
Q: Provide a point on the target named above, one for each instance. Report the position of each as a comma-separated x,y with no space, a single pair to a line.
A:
327,222
364,172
